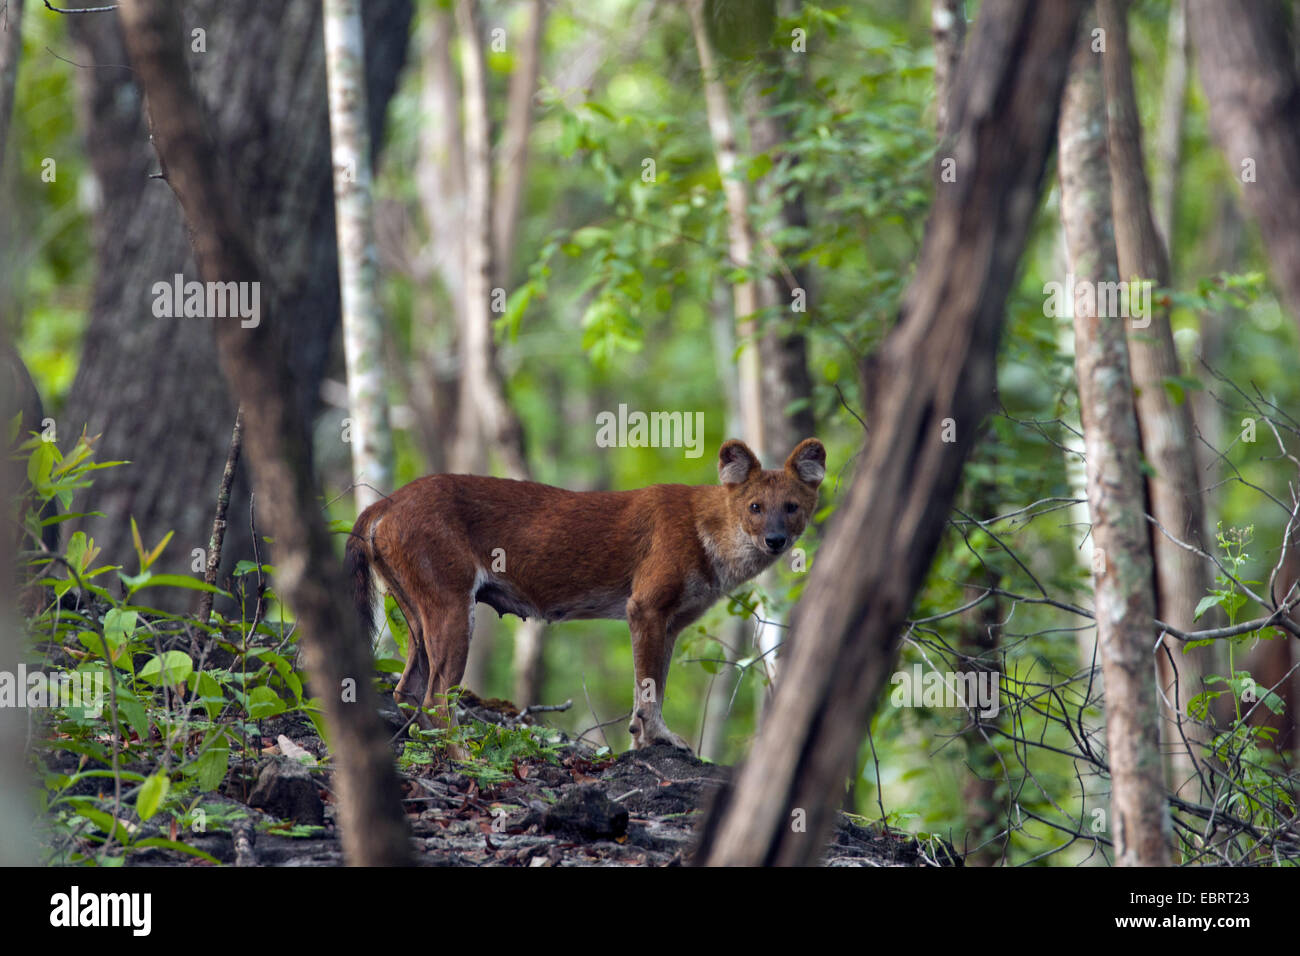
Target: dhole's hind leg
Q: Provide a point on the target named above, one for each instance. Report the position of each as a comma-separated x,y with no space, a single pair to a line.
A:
446,633
414,682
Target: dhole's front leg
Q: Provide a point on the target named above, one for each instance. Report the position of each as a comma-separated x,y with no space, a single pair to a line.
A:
652,650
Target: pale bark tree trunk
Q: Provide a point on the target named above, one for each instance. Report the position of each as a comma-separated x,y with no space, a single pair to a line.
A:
935,374
512,171
1249,75
440,186
740,234
1169,137
147,383
785,384
363,329
373,826
11,48
17,817
783,354
1124,602
482,399
747,297
512,176
1166,427
721,687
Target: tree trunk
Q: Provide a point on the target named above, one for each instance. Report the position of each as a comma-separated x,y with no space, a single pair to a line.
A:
482,403
1166,427
1169,137
749,296
1249,75
935,378
978,627
512,173
17,817
1124,602
948,27
11,48
149,385
740,235
363,330
440,185
308,577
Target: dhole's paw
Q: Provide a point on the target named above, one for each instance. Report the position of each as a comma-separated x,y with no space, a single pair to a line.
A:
646,734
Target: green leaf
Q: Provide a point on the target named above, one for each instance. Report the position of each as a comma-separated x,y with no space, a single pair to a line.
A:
176,581
40,464
213,761
1207,602
165,844
264,702
152,792
171,667
209,693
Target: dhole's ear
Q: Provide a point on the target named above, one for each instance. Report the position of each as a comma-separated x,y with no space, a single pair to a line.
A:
736,462
808,462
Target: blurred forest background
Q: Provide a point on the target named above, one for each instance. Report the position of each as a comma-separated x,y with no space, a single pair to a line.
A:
615,253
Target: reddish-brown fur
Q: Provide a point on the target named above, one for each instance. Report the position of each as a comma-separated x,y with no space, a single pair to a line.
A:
657,556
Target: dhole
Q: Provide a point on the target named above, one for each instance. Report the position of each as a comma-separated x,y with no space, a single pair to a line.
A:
657,556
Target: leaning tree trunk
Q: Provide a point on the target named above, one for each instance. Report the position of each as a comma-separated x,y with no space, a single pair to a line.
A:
363,332
978,637
149,384
1165,425
1124,602
308,577
935,375
1249,74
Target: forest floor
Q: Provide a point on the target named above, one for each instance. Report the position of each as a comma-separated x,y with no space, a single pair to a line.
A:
571,806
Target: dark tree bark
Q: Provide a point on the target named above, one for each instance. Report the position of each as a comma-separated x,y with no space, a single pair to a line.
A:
935,369
1249,74
148,384
1123,583
256,365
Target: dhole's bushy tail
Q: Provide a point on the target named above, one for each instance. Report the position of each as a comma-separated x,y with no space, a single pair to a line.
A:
357,565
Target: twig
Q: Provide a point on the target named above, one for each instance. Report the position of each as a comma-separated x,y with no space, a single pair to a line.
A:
108,9
219,519
543,708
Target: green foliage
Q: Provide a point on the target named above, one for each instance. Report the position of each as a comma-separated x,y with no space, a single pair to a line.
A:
154,729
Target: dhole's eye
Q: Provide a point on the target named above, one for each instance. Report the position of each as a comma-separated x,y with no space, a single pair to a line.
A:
791,507
755,507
